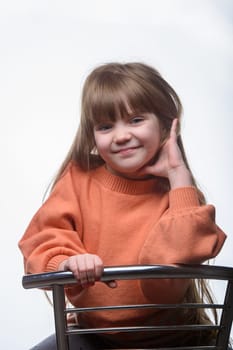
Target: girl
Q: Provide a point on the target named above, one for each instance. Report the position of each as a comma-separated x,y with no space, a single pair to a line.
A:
124,195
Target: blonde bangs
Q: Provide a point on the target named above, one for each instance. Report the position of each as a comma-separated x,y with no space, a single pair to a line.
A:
116,97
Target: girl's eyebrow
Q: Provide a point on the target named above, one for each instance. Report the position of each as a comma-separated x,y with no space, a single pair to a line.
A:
103,121
137,114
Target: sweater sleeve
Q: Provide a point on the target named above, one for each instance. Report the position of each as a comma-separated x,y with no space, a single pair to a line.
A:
54,233
186,233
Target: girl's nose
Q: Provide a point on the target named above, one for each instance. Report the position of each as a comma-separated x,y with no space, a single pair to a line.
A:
121,135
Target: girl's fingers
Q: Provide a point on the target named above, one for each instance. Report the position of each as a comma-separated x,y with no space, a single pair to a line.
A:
174,127
87,268
71,265
98,267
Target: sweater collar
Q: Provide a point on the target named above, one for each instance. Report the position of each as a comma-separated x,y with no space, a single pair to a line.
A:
123,185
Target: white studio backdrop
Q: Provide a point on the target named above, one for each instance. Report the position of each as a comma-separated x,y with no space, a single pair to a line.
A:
47,48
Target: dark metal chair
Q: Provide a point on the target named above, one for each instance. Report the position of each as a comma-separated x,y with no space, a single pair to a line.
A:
57,280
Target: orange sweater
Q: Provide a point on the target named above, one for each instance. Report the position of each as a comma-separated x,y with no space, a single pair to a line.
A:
124,222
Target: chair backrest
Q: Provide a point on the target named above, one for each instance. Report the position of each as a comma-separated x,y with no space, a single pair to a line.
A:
57,280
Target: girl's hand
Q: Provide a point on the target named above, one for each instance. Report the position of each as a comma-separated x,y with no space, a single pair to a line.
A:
169,162
87,268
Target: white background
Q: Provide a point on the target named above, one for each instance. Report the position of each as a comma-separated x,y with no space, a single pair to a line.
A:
47,48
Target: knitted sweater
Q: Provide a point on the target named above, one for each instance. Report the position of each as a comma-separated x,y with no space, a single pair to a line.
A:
124,222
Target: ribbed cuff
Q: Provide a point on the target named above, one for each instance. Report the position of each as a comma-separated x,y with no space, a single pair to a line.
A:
183,197
55,262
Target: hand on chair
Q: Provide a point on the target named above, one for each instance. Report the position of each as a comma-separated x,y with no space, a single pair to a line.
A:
87,269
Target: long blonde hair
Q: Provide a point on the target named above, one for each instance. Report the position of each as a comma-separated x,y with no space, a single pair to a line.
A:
108,93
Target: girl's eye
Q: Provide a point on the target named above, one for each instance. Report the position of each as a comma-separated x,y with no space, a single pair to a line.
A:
136,120
103,127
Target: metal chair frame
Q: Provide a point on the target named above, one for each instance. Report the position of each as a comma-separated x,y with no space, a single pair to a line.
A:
56,281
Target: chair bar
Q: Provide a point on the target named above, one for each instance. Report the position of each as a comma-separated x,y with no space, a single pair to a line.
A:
142,329
226,317
195,347
47,279
145,306
59,317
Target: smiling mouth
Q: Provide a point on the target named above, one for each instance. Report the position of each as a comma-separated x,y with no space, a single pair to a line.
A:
127,150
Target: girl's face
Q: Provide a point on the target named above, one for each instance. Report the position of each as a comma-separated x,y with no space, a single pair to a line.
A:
127,145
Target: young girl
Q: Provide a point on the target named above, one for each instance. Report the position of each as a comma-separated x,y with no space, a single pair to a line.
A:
124,195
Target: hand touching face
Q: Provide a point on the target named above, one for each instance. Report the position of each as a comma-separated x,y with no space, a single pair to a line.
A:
132,148
169,162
